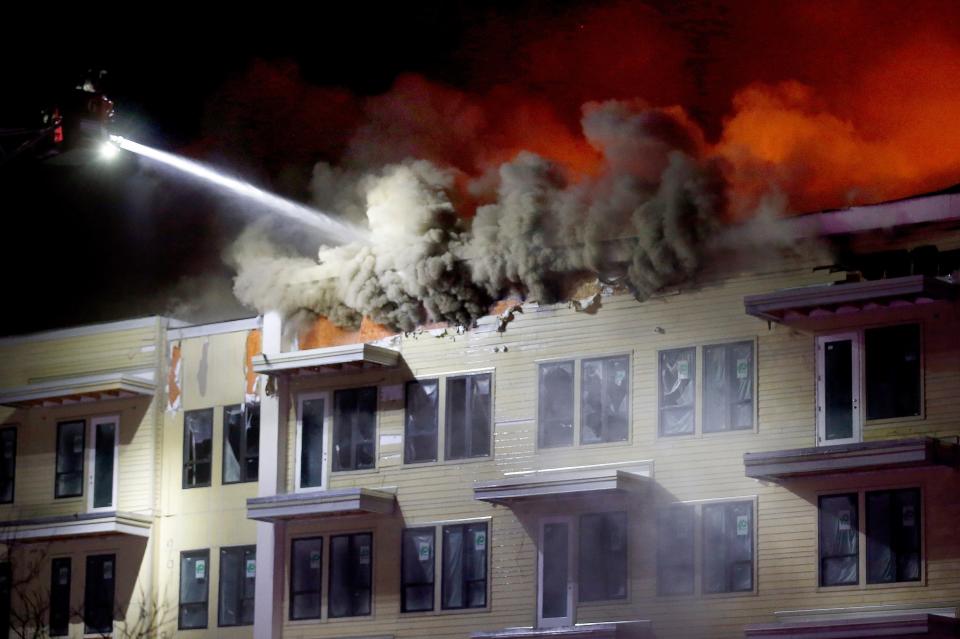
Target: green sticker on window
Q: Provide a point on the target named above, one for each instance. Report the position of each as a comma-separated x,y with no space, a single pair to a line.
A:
480,539
251,568
683,369
200,569
743,525
423,550
364,554
314,559
742,368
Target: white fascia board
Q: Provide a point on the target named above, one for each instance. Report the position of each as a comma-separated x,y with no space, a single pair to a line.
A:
67,528
215,328
137,383
547,483
92,329
319,503
351,353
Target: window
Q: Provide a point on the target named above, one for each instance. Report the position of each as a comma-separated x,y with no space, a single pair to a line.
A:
8,463
310,450
675,550
351,572
354,428
306,564
418,564
5,595
728,387
555,404
892,537
604,399
726,383
100,584
468,416
421,421
241,443
603,556
728,547
883,363
60,597
464,566
677,391
197,447
69,473
103,462
839,540
194,566
238,575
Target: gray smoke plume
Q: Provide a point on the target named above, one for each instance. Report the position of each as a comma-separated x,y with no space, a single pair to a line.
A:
644,219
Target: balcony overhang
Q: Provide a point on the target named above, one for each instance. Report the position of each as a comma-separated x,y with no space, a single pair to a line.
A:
907,625
605,630
323,503
322,360
62,527
564,482
915,452
80,389
844,298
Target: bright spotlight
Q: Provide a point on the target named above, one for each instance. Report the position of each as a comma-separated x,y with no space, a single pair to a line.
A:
108,151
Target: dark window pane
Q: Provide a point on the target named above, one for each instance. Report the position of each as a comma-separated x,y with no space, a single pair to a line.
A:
60,576
251,421
417,569
728,547
197,447
556,549
675,550
893,371
468,416
100,584
104,446
604,400
194,576
838,540
603,556
464,566
69,475
233,428
677,390
893,536
421,419
351,572
311,443
728,387
354,428
838,389
306,562
555,402
8,463
238,571
5,594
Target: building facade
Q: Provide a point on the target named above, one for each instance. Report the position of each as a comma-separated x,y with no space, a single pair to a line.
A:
770,453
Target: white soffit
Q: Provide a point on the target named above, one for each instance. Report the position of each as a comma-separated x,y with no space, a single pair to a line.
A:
334,358
80,389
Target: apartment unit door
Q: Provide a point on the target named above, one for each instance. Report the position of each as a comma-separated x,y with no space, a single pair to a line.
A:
102,463
556,581
838,389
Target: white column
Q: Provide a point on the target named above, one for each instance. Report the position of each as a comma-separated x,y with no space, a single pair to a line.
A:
268,612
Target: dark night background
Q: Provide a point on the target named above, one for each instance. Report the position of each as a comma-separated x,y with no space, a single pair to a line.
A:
265,91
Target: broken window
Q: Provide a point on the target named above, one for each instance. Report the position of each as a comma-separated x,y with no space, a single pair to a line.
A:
311,442
555,404
728,387
8,463
306,563
421,421
839,540
468,416
60,576
677,391
892,371
238,576
351,572
197,447
70,445
728,547
98,595
241,443
417,567
604,399
354,428
893,536
675,548
464,566
603,556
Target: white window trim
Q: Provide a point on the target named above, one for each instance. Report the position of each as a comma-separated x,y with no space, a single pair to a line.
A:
91,461
572,523
325,587
856,354
327,397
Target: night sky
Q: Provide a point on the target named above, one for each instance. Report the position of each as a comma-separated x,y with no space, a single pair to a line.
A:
831,103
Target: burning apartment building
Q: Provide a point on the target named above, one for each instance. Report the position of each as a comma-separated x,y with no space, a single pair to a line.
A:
702,446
